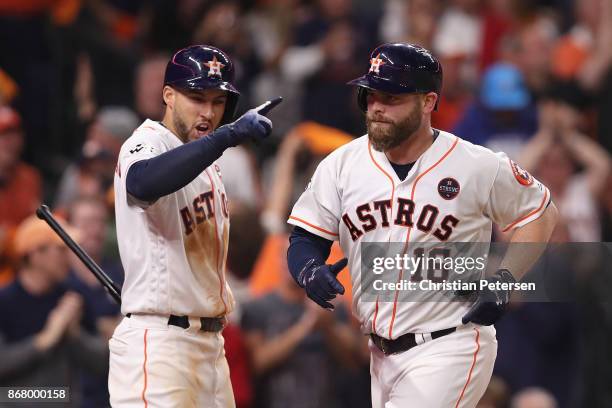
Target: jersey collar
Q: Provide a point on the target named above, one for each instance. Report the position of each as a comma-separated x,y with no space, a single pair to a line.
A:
432,154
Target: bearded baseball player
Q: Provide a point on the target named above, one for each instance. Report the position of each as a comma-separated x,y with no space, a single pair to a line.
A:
406,182
172,230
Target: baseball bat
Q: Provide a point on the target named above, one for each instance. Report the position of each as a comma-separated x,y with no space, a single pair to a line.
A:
44,213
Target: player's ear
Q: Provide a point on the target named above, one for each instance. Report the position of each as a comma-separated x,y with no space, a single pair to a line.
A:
168,94
429,102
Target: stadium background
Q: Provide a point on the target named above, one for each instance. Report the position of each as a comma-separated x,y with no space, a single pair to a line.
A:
531,78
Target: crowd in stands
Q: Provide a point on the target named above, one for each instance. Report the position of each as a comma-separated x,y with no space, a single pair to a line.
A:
532,78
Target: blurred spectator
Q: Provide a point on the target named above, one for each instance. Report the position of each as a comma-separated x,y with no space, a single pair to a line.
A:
109,30
93,173
498,20
552,156
220,25
101,314
456,94
459,33
533,398
529,47
292,342
20,186
302,148
148,84
27,32
238,362
412,21
296,348
539,343
585,53
240,176
330,47
457,59
20,183
271,27
244,247
89,217
504,117
41,343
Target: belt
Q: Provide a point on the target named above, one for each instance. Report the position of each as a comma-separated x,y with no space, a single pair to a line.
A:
207,324
406,341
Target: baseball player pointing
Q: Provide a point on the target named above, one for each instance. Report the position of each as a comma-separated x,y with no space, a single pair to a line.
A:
172,230
406,182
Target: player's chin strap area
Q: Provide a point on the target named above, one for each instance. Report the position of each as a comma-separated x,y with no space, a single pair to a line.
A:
407,341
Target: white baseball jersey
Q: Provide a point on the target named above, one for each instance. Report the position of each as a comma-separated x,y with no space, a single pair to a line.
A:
453,193
173,250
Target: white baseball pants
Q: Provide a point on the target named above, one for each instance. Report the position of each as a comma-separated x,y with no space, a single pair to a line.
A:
153,364
449,372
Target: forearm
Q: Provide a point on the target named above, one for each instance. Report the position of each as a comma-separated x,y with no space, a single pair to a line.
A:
282,185
594,71
305,247
150,179
589,154
529,242
534,150
270,353
17,356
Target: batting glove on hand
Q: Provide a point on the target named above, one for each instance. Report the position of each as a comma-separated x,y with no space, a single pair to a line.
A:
250,125
320,282
491,303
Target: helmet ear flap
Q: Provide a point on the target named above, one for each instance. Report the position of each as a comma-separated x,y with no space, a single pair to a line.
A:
362,98
231,105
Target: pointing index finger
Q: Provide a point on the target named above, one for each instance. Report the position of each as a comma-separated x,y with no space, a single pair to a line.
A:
267,106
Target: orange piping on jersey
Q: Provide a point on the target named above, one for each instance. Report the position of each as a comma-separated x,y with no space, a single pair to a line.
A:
144,370
312,225
392,197
544,199
375,316
419,177
469,378
218,245
385,173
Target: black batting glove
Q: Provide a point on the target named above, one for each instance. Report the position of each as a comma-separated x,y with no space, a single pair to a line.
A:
251,125
490,304
320,282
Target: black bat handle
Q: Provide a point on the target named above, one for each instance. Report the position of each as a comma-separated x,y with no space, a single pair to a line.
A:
44,213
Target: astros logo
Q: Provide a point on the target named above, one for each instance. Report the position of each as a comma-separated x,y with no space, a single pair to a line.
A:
214,67
522,176
375,64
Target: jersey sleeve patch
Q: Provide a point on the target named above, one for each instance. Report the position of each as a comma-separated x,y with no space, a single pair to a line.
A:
141,147
521,175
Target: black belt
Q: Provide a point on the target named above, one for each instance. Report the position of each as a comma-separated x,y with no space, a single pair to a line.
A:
207,324
404,342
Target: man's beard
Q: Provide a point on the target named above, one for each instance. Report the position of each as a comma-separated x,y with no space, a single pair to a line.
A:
395,133
180,126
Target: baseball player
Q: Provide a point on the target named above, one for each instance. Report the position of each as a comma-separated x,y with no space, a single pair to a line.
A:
406,182
172,230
